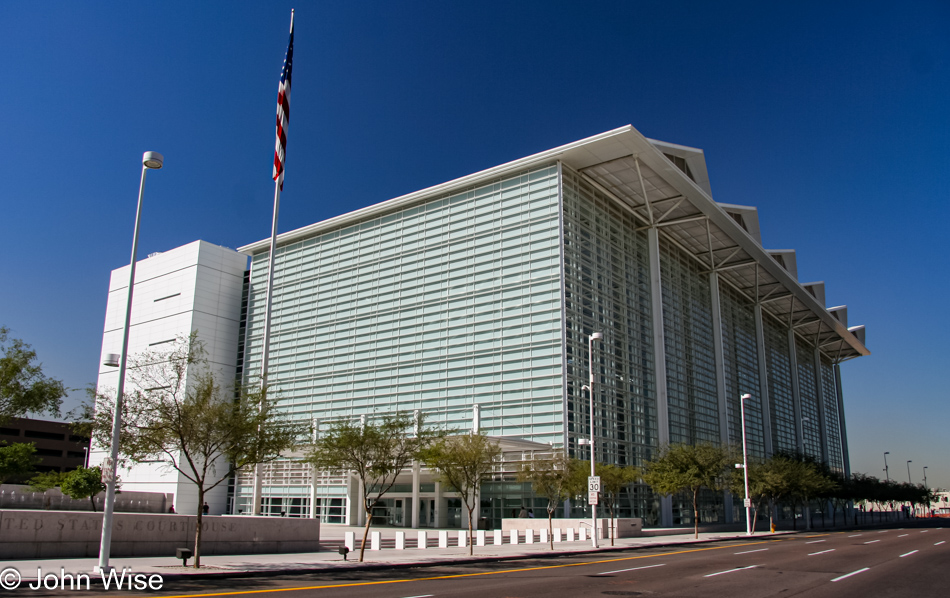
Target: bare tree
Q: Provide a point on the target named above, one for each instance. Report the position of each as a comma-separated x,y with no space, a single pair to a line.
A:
375,451
556,479
462,463
180,413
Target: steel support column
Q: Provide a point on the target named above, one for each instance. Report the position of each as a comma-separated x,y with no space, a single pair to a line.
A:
763,380
659,361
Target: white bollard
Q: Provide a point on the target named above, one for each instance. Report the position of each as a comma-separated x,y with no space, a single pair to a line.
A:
513,537
557,534
480,537
544,536
497,538
570,534
400,540
529,536
463,538
349,540
375,540
423,542
443,539
583,534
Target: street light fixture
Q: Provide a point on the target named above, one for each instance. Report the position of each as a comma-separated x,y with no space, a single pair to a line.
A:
745,467
596,336
925,478
887,477
150,161
908,472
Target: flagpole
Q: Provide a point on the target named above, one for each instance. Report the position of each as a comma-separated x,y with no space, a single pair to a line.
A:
256,496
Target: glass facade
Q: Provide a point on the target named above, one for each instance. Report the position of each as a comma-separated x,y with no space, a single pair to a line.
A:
690,352
487,296
808,391
436,307
741,369
781,397
829,396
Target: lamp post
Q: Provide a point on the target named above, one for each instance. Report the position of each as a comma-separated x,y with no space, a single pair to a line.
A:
908,472
925,478
745,467
590,393
150,161
886,476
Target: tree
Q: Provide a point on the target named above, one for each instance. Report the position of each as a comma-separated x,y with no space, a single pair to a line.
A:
613,479
681,467
375,451
23,386
83,483
46,480
807,480
462,463
179,413
16,460
556,479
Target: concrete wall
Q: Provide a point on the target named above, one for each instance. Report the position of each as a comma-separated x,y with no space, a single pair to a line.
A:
16,497
67,534
624,528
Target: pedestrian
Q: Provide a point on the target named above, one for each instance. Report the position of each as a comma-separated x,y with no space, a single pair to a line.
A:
530,513
205,508
171,509
523,514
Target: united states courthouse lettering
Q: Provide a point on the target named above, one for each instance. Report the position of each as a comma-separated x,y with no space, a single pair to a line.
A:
471,303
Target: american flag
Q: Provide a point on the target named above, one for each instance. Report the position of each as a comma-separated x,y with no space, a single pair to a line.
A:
283,111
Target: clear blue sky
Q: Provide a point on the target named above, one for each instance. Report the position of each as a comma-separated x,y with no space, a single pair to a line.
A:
832,118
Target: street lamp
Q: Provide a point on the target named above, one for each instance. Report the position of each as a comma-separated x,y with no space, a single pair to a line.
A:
745,467
590,392
886,476
925,478
908,472
150,161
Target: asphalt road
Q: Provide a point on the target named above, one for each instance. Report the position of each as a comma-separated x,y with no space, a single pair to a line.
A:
911,561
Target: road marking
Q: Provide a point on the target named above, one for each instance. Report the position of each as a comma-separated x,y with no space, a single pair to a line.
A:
908,554
625,570
872,541
822,552
479,574
748,551
850,574
814,542
731,570
924,531
902,535
854,536
940,542
884,532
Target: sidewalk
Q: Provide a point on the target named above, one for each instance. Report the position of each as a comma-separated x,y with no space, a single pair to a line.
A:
233,566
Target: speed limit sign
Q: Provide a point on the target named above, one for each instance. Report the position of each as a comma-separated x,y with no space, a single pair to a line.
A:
593,483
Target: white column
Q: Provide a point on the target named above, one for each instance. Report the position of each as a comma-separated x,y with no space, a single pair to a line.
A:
844,430
796,391
716,311
763,379
414,503
820,393
659,361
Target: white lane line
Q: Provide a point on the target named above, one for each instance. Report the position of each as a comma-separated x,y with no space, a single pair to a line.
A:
850,574
902,535
634,569
872,541
422,596
940,542
814,542
854,536
884,532
748,551
822,552
908,553
924,531
732,570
